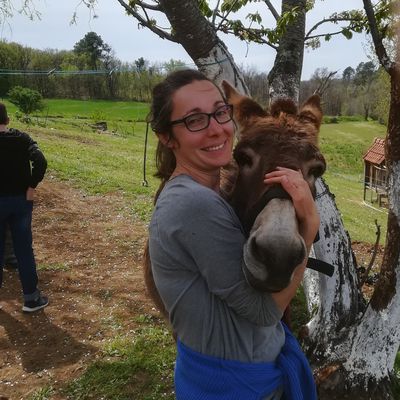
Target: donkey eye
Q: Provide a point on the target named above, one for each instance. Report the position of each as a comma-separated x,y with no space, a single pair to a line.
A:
317,170
243,159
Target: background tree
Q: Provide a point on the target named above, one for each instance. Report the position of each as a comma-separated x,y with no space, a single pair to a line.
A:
382,104
348,75
141,64
94,48
94,52
364,78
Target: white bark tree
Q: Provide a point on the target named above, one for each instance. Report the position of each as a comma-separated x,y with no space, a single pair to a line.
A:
195,34
365,360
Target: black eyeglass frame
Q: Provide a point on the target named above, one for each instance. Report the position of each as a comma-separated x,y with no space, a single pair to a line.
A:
209,115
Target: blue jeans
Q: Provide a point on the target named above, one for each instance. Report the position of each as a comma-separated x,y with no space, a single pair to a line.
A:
16,211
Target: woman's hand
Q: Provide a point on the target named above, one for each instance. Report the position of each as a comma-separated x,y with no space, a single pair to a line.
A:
306,211
30,193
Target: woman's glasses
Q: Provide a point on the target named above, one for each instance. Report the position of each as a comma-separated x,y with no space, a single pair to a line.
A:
199,121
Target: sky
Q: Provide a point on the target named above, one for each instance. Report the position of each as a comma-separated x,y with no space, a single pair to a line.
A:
121,32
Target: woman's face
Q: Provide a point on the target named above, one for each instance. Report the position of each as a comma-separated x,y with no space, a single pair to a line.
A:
208,149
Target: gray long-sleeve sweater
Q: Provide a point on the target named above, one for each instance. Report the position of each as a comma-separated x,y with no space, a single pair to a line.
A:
196,243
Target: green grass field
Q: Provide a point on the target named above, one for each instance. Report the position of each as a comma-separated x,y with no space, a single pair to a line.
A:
113,161
109,110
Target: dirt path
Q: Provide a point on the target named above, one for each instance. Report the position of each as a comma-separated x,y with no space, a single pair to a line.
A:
88,249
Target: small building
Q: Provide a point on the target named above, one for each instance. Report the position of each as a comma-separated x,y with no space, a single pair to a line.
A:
375,173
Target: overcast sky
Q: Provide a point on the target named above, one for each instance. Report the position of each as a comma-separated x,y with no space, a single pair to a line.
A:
129,43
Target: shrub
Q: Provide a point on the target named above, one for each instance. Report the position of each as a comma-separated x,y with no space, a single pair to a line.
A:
27,100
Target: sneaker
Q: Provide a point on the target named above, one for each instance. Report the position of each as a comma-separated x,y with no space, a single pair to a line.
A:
35,305
11,266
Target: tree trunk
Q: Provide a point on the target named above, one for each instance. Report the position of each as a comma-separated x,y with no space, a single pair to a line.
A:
284,77
361,363
335,301
199,39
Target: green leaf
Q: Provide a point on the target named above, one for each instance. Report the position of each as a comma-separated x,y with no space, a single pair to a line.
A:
347,33
233,5
204,8
254,17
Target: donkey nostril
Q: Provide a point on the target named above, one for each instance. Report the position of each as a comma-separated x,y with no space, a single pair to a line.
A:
254,248
260,251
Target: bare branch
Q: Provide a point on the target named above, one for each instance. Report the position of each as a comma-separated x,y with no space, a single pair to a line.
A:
215,13
252,32
380,49
324,85
149,6
371,263
272,9
323,35
146,22
324,21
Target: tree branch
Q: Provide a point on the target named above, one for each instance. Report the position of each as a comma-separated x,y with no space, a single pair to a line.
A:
380,49
324,21
149,6
274,13
325,83
371,263
322,35
252,32
146,22
225,17
215,13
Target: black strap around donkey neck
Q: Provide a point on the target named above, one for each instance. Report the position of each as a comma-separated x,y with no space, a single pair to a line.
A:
277,192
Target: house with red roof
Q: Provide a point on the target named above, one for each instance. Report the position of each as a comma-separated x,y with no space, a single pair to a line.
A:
375,173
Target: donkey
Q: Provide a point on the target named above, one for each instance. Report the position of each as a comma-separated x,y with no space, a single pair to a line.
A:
286,137
282,137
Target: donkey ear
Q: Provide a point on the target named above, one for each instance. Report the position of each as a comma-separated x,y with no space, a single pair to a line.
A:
311,111
245,109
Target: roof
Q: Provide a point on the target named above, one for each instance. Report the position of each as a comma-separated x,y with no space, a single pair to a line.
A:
376,153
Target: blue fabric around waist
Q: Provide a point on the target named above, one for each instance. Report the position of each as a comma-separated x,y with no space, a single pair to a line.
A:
203,377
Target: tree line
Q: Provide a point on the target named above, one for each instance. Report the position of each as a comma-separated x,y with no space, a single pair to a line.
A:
91,71
88,71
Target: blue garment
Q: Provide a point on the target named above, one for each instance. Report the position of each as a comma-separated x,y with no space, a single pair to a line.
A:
202,377
16,211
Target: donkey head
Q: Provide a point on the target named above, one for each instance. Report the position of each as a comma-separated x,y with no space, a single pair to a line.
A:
286,137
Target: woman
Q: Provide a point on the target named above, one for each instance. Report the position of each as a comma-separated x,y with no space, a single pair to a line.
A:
231,343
